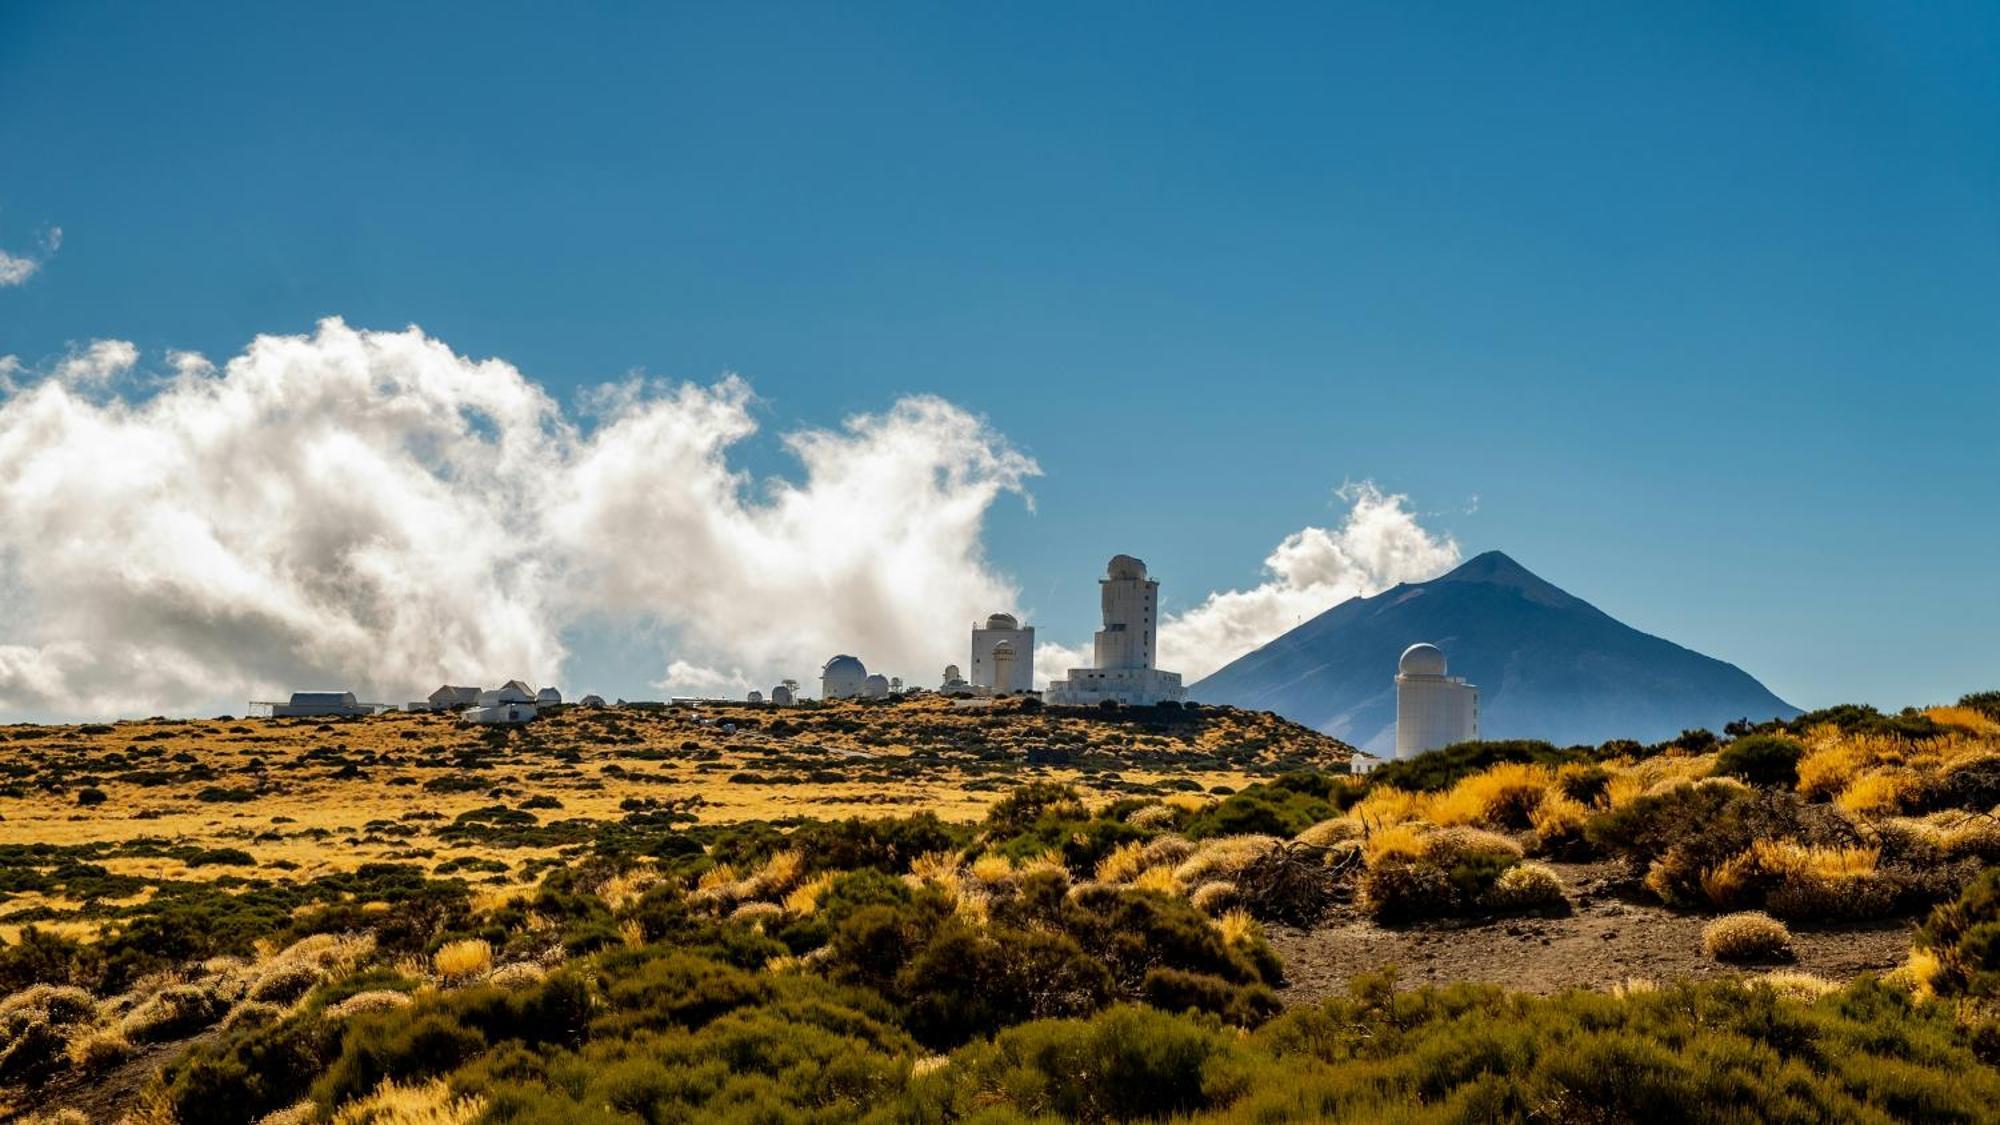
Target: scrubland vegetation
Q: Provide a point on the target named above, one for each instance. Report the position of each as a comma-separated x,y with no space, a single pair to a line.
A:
585,923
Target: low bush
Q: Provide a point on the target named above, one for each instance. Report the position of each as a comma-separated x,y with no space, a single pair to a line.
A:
1761,759
1961,940
1749,936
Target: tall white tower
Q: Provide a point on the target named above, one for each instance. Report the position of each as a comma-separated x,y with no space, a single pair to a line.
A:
1003,628
1126,649
1130,601
1432,709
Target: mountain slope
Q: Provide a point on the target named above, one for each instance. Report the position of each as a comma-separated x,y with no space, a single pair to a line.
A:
1548,665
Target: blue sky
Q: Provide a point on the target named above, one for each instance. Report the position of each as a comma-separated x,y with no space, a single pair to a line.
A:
1693,309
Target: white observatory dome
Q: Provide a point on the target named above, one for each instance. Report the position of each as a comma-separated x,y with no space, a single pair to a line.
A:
1421,660
842,678
1125,566
1002,621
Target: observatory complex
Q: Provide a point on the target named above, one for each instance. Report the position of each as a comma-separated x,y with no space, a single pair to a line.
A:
1124,651
1432,709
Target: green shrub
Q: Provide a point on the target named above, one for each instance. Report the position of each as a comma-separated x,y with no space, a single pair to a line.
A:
1986,703
1761,759
1128,1064
1964,936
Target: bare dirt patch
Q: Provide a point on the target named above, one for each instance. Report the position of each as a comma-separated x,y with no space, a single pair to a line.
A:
1610,939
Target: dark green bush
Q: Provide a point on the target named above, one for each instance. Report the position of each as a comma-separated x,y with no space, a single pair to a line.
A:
1986,703
1964,936
1761,759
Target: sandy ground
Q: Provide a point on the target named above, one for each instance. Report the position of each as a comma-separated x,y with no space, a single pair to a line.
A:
1608,940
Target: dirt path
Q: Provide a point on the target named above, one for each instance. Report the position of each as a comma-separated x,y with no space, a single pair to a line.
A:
1609,939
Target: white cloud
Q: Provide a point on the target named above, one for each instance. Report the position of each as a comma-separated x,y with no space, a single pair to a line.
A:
16,269
97,365
1379,544
370,510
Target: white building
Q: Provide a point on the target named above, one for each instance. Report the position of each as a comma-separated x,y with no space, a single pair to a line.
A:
955,684
1003,629
756,696
591,701
547,697
501,714
782,695
1125,648
844,677
1432,709
876,686
321,704
513,691
451,697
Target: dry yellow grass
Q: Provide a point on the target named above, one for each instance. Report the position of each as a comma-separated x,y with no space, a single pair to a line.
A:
1964,718
305,823
1875,794
991,868
1504,796
804,900
462,960
426,1103
1387,806
1749,936
1236,926
1400,839
1123,863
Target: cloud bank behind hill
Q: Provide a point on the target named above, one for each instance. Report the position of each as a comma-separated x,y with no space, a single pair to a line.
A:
371,510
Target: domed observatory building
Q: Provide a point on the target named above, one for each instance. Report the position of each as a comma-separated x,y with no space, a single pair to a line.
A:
844,677
1125,649
875,686
1003,629
1432,709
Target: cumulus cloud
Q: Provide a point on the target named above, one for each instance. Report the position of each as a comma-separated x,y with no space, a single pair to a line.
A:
1377,545
96,366
16,269
370,510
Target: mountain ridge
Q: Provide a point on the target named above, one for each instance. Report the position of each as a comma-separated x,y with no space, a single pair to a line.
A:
1548,664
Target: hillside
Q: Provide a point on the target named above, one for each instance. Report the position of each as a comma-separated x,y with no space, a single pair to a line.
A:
1548,665
908,910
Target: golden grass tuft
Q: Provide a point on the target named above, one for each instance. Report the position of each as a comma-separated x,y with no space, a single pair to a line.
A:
1214,898
1875,794
1222,857
991,868
1963,718
1795,985
803,900
1503,796
1749,936
1386,806
1330,832
419,1103
1159,879
1236,926
1395,840
1123,863
462,960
